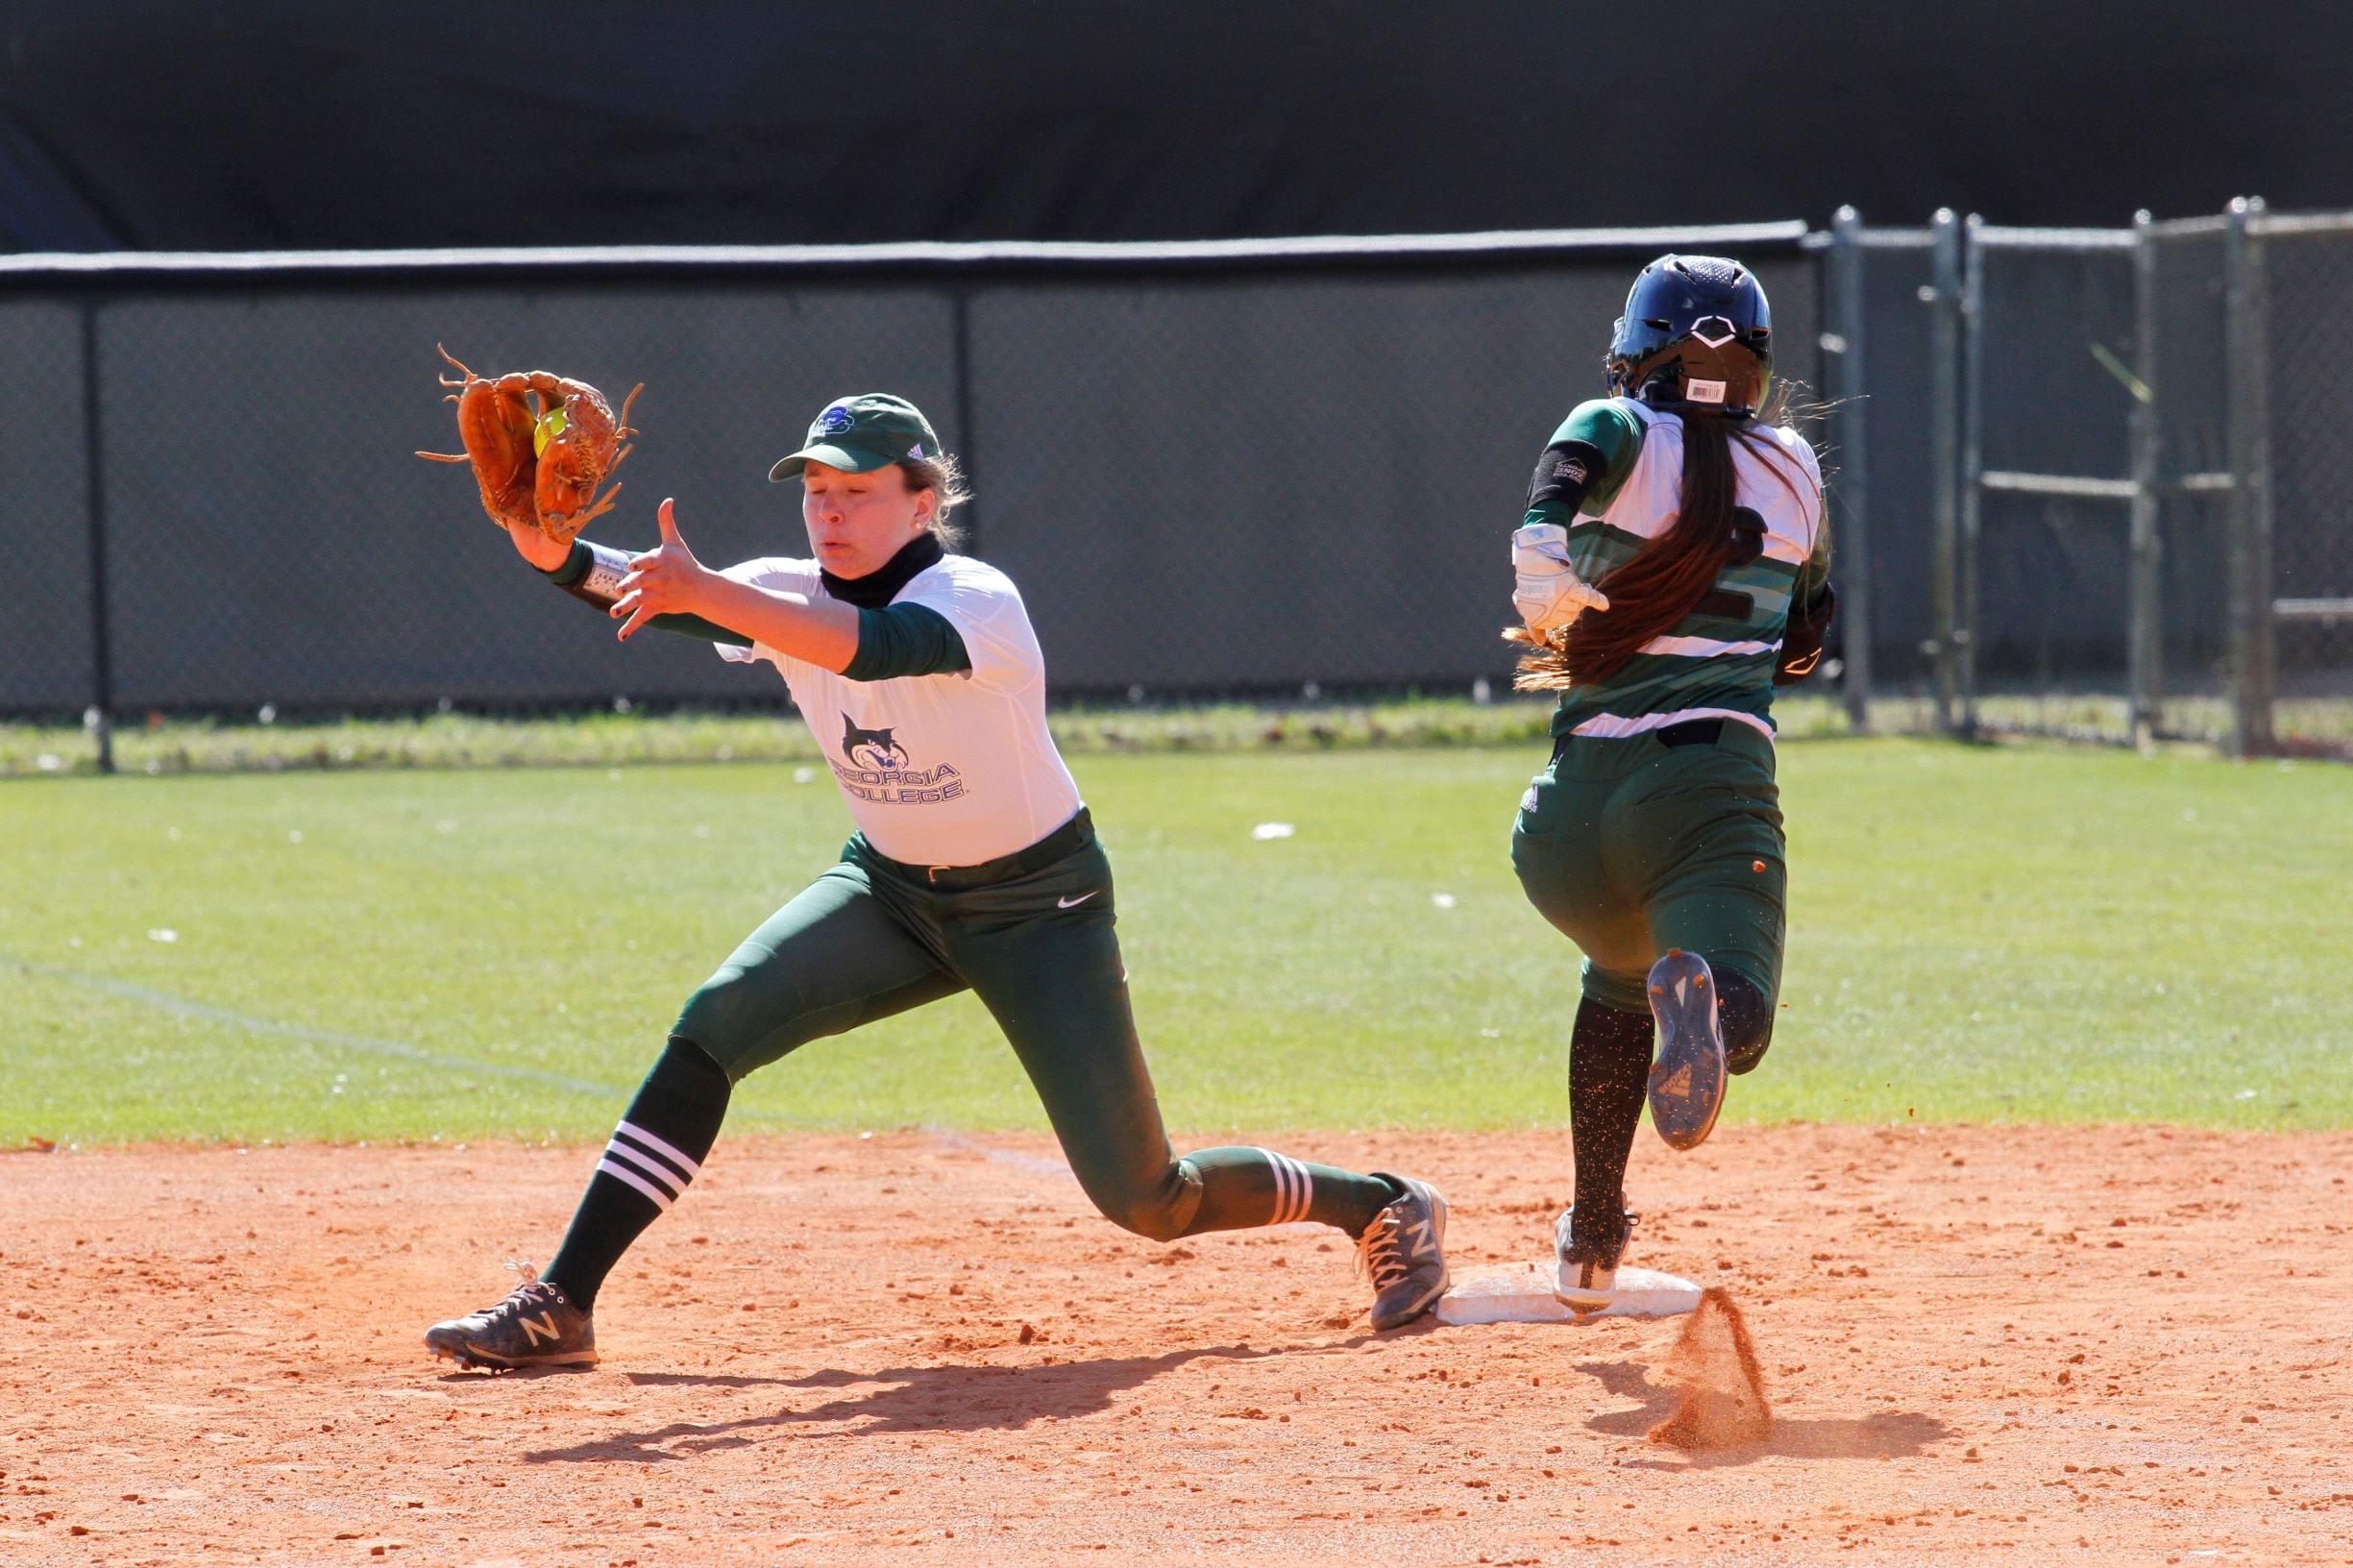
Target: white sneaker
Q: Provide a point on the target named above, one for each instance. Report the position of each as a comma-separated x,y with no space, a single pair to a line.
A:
1586,1274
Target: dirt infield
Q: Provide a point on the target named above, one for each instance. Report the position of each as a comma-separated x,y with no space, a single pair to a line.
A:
2123,1346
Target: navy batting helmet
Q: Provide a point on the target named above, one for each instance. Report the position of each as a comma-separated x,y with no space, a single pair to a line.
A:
1697,338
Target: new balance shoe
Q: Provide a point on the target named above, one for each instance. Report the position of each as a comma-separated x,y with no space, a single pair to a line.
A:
536,1325
1688,1076
1402,1252
1586,1273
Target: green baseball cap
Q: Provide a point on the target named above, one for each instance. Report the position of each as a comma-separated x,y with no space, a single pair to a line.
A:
861,434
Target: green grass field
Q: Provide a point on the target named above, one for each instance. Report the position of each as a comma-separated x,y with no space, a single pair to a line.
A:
165,745
2014,934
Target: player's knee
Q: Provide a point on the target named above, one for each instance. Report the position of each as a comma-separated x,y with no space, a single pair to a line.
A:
692,1068
1161,1211
1744,1057
726,1019
709,1015
1152,1217
1153,1220
1744,1013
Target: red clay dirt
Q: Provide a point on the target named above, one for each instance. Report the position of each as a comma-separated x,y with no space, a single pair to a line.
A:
2090,1346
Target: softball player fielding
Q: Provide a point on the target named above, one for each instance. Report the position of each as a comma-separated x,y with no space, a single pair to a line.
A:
1672,569
974,865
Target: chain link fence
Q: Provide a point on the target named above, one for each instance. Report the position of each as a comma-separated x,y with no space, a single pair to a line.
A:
2301,648
2085,482
1215,469
2102,495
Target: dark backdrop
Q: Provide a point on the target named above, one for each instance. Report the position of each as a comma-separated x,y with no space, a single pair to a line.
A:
238,124
1241,478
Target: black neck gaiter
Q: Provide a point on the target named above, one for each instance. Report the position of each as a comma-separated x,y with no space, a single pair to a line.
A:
879,587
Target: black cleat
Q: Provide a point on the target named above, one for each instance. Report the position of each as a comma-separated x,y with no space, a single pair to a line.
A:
1687,1080
536,1325
1586,1277
1404,1253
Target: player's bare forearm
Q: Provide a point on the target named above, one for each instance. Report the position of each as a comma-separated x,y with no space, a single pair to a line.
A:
812,631
669,581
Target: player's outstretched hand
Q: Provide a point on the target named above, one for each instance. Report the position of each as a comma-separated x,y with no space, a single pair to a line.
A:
665,580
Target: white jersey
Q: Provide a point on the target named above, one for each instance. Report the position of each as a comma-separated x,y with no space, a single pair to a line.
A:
1787,496
950,770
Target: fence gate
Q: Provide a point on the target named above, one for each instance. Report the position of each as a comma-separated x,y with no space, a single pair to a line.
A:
2291,561
2041,542
2142,518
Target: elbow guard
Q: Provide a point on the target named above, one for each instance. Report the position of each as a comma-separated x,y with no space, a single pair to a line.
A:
1565,474
1801,641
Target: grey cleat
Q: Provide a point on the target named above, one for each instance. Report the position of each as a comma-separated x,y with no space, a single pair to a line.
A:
536,1325
1404,1252
1586,1275
1688,1077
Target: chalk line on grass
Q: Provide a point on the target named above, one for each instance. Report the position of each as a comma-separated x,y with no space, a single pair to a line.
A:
166,1002
182,1007
1019,1159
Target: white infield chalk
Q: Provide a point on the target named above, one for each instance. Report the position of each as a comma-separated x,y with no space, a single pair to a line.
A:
1523,1293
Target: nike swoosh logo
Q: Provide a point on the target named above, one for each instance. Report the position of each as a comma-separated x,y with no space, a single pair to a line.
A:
1073,903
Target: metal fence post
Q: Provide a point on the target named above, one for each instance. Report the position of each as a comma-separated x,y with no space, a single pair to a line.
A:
1850,400
960,311
1973,466
100,718
2247,332
2145,648
1944,441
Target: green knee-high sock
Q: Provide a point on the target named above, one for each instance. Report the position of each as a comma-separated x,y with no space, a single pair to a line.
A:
1241,1188
657,1149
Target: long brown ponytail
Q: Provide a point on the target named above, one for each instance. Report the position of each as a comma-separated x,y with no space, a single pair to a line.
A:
1666,580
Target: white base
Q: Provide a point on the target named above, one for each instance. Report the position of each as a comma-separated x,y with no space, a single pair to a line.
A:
1523,1293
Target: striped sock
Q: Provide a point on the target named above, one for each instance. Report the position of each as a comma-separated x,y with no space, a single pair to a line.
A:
1242,1187
655,1151
653,1165
1294,1189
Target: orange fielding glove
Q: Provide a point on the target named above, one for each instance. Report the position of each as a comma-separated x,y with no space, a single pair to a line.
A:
540,445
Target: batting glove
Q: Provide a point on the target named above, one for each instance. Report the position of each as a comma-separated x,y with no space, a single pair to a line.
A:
1546,589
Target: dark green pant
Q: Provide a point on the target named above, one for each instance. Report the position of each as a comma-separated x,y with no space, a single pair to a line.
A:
1631,847
868,940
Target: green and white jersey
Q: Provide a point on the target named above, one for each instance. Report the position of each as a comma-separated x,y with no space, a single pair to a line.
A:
1718,662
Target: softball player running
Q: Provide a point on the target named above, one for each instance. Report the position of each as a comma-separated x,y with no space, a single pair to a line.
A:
1672,570
974,865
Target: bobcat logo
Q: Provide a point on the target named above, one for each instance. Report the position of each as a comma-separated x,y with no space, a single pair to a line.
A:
876,768
871,749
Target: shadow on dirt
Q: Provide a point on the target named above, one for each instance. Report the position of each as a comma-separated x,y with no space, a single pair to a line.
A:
707,1380
949,1398
1885,1435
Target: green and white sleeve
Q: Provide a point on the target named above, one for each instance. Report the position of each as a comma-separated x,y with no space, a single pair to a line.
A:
1581,472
